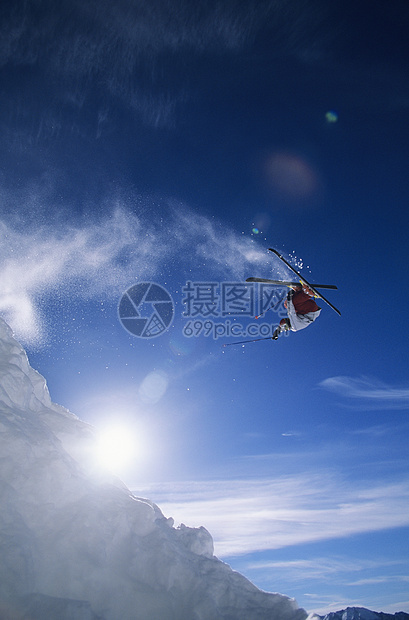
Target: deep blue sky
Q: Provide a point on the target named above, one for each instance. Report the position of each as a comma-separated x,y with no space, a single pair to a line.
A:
146,141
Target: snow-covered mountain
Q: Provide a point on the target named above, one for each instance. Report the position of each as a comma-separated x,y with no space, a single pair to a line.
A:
77,545
360,613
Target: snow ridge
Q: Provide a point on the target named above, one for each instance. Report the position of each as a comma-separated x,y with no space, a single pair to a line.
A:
75,543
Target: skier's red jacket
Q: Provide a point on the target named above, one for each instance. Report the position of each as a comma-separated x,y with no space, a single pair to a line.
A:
303,303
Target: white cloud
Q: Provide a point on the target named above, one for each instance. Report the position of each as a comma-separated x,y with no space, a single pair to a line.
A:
245,516
371,392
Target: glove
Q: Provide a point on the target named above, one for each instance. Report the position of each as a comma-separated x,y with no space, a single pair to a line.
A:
275,335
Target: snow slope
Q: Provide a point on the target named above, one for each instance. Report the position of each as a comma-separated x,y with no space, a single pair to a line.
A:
77,545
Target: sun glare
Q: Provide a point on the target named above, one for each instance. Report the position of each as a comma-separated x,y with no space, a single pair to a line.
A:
116,448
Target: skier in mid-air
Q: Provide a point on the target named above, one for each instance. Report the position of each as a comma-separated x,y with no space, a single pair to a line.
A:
301,309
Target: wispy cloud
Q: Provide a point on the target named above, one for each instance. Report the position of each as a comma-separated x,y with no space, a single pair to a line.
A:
128,48
380,579
130,51
324,569
342,580
252,515
104,257
127,29
368,392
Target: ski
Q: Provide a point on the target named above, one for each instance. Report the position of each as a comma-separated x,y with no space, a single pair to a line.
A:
286,283
303,279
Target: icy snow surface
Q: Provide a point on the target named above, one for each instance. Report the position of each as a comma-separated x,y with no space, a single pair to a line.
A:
77,545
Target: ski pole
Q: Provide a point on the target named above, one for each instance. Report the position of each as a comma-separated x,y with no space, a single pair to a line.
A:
272,307
229,344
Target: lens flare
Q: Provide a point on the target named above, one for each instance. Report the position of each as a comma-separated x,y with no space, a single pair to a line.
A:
290,176
331,116
153,387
